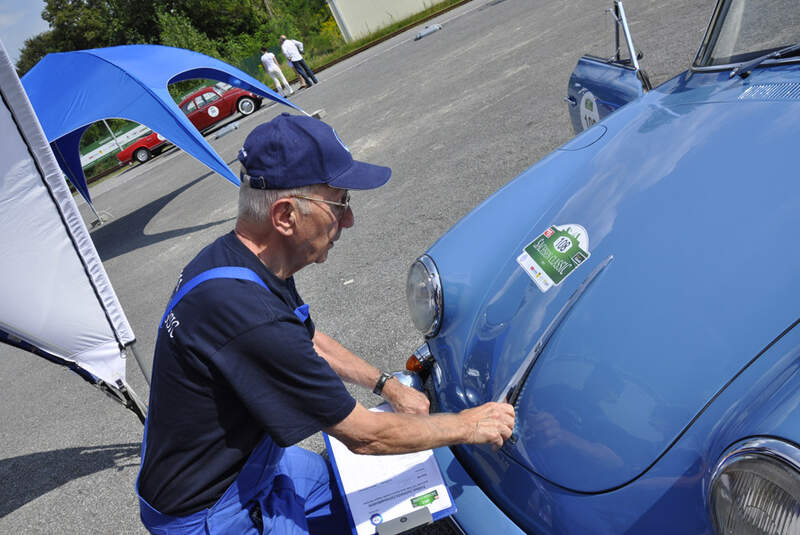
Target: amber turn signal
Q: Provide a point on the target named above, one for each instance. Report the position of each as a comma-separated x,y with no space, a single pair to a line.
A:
414,365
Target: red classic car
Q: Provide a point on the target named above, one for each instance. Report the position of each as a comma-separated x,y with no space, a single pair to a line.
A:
143,148
209,105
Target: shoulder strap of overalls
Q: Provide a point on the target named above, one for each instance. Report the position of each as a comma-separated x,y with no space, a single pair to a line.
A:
226,272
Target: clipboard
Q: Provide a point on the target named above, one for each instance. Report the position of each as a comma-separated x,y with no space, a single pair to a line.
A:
389,494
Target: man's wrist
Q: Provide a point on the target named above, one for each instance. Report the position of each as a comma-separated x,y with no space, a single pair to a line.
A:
384,377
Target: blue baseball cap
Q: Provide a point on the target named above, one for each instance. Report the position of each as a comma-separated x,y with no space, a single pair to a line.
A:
292,151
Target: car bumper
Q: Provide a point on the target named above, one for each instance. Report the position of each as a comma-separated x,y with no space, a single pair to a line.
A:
476,512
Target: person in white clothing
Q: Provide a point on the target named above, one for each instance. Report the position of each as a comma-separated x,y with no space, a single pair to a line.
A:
270,63
293,51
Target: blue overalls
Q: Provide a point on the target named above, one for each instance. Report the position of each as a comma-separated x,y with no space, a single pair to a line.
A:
278,491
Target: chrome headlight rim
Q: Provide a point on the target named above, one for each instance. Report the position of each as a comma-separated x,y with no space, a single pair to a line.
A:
436,296
777,452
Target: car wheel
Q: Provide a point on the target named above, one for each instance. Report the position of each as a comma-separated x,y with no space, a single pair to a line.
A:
141,155
246,105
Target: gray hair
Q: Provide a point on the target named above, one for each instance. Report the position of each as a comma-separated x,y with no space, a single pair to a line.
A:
254,204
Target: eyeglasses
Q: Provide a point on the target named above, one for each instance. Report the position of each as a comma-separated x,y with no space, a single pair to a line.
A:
340,207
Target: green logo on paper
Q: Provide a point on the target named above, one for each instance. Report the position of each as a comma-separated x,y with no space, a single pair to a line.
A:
552,256
425,499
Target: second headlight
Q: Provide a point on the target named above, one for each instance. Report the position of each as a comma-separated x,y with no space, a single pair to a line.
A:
755,489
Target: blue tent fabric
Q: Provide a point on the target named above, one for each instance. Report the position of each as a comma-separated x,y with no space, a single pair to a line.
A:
71,90
68,156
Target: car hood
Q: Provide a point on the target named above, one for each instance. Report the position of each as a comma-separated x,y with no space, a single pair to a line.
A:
693,193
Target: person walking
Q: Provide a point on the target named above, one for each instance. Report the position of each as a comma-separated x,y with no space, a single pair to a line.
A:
270,63
241,374
293,51
303,83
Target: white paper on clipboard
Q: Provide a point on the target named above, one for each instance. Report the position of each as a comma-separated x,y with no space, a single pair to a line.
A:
379,488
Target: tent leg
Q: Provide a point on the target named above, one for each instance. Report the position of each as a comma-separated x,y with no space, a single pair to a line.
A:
132,401
99,220
139,362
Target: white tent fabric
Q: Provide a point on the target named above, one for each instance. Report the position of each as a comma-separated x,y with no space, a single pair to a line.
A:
56,295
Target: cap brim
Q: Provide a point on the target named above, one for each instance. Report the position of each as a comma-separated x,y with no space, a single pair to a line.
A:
362,175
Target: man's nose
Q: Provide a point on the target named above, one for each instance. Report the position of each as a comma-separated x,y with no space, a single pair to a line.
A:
348,218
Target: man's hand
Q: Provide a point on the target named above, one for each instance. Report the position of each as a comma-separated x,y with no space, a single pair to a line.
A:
491,423
405,399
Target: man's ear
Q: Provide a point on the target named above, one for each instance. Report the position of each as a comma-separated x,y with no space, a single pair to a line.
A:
284,216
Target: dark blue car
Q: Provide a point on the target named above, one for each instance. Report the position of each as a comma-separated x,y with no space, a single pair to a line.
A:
636,296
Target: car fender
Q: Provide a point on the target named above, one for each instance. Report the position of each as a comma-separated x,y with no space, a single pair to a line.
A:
762,400
467,268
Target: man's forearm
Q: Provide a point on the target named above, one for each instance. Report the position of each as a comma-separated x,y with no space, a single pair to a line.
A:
356,370
347,365
391,433
374,433
405,433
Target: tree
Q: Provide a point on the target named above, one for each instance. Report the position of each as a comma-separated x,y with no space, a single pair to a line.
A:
78,24
219,19
177,30
306,15
230,30
34,49
83,24
132,21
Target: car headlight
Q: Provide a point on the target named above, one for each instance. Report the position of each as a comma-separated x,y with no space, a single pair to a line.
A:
424,294
755,489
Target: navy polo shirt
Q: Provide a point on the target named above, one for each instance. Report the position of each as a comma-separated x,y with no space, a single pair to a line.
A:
232,363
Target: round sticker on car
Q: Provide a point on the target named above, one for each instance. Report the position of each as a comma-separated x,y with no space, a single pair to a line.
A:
213,111
588,110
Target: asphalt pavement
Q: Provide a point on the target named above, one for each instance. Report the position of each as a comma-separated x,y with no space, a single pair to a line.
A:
456,115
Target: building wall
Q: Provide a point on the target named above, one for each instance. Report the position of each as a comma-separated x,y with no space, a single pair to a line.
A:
357,18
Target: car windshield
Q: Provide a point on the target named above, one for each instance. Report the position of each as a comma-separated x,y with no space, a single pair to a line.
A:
746,29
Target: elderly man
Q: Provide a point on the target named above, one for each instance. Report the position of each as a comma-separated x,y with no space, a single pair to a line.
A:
293,50
240,374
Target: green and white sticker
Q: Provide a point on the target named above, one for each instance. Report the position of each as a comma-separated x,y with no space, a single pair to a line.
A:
557,252
590,115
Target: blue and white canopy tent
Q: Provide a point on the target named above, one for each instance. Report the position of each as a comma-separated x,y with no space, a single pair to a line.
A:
57,300
72,90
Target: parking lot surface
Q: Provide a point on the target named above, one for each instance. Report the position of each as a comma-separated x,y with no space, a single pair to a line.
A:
456,115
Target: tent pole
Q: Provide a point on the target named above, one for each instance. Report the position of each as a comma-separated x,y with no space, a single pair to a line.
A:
112,135
99,219
132,401
139,362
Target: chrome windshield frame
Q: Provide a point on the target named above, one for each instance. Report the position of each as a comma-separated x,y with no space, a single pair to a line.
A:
623,21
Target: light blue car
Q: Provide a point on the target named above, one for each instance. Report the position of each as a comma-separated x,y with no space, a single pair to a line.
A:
636,296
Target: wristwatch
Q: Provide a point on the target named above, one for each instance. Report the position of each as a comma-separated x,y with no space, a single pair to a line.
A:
381,382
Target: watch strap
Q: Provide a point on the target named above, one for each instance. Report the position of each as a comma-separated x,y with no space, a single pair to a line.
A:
381,382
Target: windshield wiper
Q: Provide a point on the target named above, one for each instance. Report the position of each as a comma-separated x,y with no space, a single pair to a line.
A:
512,390
744,69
